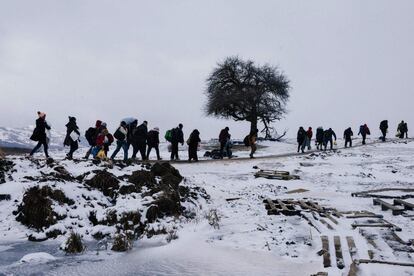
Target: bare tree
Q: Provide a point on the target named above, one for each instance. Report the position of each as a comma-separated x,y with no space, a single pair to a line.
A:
244,91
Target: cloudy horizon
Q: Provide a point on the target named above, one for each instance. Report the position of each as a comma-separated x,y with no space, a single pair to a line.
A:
349,62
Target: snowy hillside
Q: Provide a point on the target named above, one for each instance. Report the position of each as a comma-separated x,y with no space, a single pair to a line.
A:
20,138
227,225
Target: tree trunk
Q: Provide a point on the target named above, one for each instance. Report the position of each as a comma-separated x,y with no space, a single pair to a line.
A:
253,126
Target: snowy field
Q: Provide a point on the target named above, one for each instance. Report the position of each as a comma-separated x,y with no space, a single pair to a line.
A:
245,240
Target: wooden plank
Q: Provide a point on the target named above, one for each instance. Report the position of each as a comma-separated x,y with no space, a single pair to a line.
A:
326,224
364,261
353,269
407,205
351,246
286,210
338,252
364,216
331,218
387,206
272,207
232,199
326,254
385,225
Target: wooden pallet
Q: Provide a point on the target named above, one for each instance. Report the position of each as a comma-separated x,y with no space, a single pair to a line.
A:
387,206
277,175
405,204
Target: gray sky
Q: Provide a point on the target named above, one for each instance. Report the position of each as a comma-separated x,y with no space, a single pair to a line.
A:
349,62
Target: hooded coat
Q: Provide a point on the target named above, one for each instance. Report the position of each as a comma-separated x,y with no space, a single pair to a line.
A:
70,127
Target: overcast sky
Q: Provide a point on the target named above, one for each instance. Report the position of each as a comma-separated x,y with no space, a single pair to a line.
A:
349,62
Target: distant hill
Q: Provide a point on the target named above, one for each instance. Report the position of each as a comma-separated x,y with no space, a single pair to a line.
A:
19,138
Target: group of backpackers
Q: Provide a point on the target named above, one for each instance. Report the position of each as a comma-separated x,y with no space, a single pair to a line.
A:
129,133
323,137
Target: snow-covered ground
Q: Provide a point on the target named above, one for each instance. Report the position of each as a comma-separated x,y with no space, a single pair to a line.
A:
246,240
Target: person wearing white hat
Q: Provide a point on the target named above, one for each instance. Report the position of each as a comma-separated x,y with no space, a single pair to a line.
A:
153,141
39,134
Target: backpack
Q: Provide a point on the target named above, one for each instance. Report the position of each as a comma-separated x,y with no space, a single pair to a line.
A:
246,140
110,138
119,135
168,135
89,135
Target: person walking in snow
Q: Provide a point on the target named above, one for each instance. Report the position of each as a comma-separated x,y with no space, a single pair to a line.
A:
224,136
384,128
104,140
91,134
139,140
309,135
121,141
252,142
153,141
402,130
193,142
39,134
131,125
364,131
348,137
177,136
319,138
72,137
328,136
301,139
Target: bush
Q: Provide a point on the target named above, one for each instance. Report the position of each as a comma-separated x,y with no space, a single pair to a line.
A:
121,243
73,244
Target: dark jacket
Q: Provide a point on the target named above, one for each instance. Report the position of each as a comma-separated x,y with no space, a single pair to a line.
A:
328,134
153,139
39,133
224,135
131,130
364,130
301,135
70,127
194,139
177,135
140,135
384,125
319,135
348,134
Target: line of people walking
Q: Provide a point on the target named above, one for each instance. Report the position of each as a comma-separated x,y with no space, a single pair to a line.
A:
325,137
142,140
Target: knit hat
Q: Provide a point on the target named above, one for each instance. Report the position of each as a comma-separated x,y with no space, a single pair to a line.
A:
156,129
41,114
98,123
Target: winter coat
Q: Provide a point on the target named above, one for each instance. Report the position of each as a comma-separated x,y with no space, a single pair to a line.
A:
224,136
309,133
364,130
319,135
384,125
194,139
153,138
402,127
39,133
123,132
140,135
131,127
70,127
328,134
301,135
177,135
348,134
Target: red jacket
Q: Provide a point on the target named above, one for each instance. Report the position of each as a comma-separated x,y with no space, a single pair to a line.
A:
309,133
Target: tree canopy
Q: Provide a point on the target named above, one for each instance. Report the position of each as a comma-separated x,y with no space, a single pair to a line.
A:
243,91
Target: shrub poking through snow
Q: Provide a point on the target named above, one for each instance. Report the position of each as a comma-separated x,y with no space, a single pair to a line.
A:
121,243
5,166
213,218
74,244
36,208
106,182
